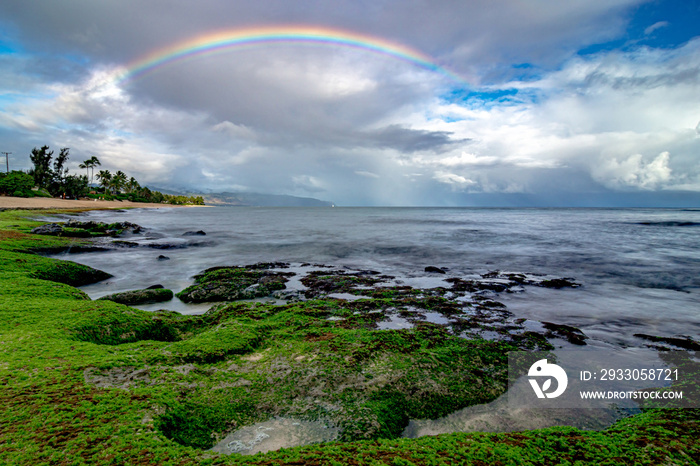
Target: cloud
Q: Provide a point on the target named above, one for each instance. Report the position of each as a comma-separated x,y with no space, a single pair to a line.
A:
407,140
233,130
655,26
467,159
457,182
309,184
634,172
328,121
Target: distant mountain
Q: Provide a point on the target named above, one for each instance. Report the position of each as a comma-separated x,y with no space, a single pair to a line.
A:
262,200
249,199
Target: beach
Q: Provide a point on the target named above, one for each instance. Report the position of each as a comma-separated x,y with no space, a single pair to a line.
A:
9,202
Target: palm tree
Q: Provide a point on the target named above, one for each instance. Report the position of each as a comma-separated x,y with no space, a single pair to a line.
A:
105,178
94,161
90,164
86,166
132,185
119,181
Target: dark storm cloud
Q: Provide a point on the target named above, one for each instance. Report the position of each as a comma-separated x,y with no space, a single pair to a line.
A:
409,140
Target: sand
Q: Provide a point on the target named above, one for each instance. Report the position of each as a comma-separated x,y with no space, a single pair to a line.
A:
9,202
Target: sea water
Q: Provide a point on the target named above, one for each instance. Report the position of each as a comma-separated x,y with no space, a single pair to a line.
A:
640,268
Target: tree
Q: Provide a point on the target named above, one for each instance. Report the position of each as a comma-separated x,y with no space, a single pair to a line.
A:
16,183
59,173
75,186
105,178
119,181
133,185
41,158
89,166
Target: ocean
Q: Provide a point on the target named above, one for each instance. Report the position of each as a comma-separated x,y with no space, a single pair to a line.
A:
639,268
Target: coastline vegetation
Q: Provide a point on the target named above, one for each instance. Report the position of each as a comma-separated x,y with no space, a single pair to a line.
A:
99,382
49,177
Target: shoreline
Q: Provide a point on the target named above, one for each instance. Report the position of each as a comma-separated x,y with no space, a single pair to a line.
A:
9,202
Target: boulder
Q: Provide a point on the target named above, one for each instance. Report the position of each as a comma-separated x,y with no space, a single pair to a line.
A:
194,233
75,228
558,283
433,269
53,229
234,283
149,295
685,343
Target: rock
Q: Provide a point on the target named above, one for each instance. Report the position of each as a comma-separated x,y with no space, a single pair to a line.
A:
53,229
163,258
567,332
472,286
145,296
433,269
321,282
685,343
116,377
125,244
70,273
75,233
558,283
235,283
105,228
155,287
194,233
78,229
167,245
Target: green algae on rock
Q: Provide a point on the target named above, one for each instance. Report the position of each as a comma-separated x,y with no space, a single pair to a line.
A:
235,283
145,296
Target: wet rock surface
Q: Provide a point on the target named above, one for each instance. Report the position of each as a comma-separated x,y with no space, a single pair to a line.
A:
74,228
117,377
148,295
433,269
567,332
194,233
320,283
235,283
684,342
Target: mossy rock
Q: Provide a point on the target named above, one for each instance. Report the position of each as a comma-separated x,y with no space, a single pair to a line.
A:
233,283
68,272
76,232
144,296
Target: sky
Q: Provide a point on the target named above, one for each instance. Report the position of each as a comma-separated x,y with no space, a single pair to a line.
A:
382,102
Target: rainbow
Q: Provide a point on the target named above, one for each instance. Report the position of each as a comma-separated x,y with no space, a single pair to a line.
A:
212,43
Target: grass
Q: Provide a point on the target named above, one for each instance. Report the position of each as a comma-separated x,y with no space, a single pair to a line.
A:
97,382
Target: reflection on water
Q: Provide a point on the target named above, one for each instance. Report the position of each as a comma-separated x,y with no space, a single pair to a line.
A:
502,416
275,434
